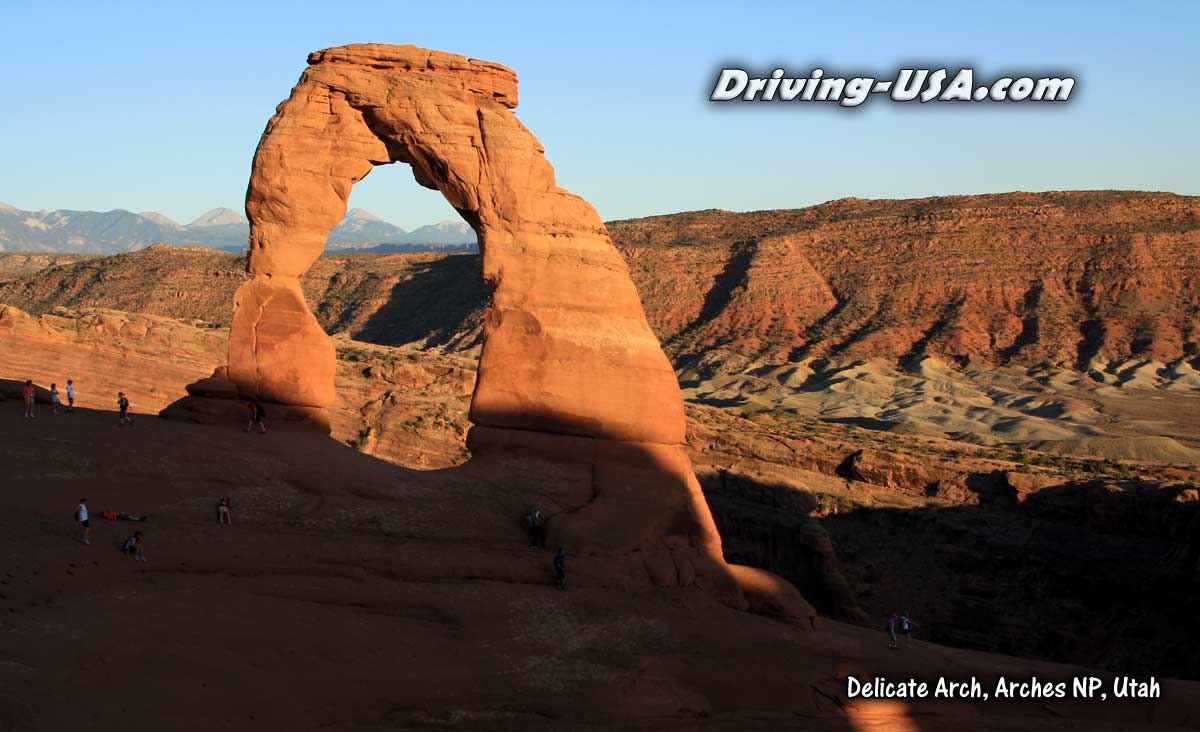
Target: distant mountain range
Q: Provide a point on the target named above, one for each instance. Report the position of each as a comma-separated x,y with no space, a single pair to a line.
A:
113,232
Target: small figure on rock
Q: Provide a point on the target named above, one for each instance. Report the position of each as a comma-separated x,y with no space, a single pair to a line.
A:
537,532
258,416
70,395
223,507
81,515
906,626
28,392
123,405
560,569
892,625
54,401
133,547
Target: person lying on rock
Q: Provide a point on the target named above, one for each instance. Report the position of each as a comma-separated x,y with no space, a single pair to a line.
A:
537,532
560,569
257,417
133,547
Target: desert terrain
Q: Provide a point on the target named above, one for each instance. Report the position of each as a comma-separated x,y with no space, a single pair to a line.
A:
1054,500
353,594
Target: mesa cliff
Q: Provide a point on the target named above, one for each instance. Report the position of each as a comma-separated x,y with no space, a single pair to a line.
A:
1073,279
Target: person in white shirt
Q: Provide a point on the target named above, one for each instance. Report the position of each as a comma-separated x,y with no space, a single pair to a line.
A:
81,515
70,395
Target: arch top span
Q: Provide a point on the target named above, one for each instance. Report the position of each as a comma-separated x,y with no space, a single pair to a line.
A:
567,348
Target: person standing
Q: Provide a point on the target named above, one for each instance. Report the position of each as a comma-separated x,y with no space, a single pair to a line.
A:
70,395
537,532
906,626
257,417
560,569
28,393
123,405
223,508
893,623
81,515
54,400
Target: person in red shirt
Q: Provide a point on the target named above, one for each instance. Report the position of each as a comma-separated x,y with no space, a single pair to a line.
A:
28,393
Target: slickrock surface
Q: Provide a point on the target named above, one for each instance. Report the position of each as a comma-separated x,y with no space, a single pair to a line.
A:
353,595
1010,540
403,405
106,351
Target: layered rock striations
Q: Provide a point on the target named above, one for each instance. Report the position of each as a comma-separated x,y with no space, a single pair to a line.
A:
1075,278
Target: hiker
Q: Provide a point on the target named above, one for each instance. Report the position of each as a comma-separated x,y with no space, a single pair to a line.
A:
70,395
560,569
123,405
27,392
81,515
223,511
537,532
892,622
54,397
906,626
133,547
257,416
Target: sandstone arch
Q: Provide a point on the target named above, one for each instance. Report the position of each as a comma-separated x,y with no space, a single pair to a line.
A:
567,347
570,370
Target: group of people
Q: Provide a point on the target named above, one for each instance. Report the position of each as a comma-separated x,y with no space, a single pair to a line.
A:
55,400
134,546
30,394
899,624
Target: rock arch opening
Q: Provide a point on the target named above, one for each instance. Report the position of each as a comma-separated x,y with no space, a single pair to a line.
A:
575,404
406,324
566,349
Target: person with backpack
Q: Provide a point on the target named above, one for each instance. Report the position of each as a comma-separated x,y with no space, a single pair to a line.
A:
906,626
892,625
123,405
28,393
70,395
560,569
133,547
81,515
257,416
223,507
537,532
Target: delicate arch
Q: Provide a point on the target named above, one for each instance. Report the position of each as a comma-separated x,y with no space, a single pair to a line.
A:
567,348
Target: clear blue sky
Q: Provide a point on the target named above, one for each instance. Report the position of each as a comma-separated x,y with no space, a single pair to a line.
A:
158,106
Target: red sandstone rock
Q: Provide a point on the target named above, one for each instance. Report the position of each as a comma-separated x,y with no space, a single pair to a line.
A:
217,386
567,347
569,371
